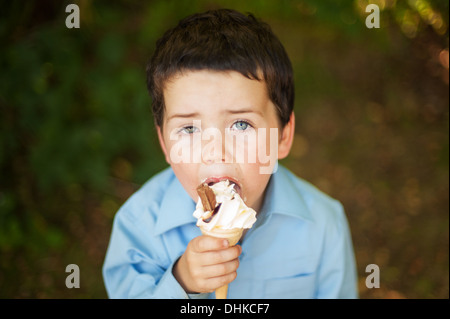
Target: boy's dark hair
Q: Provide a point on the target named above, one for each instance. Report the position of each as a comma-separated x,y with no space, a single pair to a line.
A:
223,40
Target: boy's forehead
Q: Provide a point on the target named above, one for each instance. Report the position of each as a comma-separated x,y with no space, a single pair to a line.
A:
196,92
212,76
214,85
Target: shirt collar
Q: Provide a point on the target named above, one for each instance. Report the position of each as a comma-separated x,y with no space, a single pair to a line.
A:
176,208
283,197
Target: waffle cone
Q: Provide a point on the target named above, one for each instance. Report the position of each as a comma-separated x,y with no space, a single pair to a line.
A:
233,236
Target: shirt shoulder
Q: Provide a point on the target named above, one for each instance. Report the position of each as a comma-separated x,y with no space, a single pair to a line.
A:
307,200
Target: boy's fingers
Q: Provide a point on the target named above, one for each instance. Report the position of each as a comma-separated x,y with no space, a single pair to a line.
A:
220,256
220,281
222,269
208,243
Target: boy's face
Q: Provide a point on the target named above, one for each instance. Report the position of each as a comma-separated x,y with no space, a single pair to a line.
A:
217,125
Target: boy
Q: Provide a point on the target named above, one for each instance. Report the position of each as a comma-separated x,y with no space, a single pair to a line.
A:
223,94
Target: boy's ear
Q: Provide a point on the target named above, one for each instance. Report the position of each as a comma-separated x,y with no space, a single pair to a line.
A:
161,142
287,137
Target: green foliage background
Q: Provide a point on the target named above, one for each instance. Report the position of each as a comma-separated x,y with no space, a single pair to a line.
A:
77,135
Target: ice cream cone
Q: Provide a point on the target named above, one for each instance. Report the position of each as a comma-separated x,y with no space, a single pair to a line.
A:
233,236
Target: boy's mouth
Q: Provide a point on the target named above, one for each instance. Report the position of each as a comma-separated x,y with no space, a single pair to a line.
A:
213,180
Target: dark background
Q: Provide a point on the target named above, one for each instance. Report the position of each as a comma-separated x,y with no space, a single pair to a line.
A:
77,135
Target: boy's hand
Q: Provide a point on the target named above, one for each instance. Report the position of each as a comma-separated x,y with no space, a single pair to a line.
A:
207,264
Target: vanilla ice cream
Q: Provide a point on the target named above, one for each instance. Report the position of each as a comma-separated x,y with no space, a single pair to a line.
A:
230,211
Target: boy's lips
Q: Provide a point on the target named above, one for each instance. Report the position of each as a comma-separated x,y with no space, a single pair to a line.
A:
213,180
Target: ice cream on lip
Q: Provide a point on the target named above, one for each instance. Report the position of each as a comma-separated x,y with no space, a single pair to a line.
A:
229,209
214,180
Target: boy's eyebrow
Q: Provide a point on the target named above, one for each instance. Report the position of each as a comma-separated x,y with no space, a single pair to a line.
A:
241,111
183,115
195,114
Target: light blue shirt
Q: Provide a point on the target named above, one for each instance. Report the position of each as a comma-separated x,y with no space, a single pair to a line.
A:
299,247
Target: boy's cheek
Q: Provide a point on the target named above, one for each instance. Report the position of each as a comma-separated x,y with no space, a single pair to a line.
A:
187,175
260,148
183,149
268,150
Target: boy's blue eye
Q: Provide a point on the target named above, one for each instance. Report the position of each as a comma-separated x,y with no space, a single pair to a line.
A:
241,125
188,130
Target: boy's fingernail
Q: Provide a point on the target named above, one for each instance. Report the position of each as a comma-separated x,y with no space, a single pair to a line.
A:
225,243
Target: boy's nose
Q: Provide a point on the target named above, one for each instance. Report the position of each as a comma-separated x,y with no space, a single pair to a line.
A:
214,149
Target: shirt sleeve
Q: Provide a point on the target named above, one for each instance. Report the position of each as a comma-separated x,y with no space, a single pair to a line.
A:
134,266
337,271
